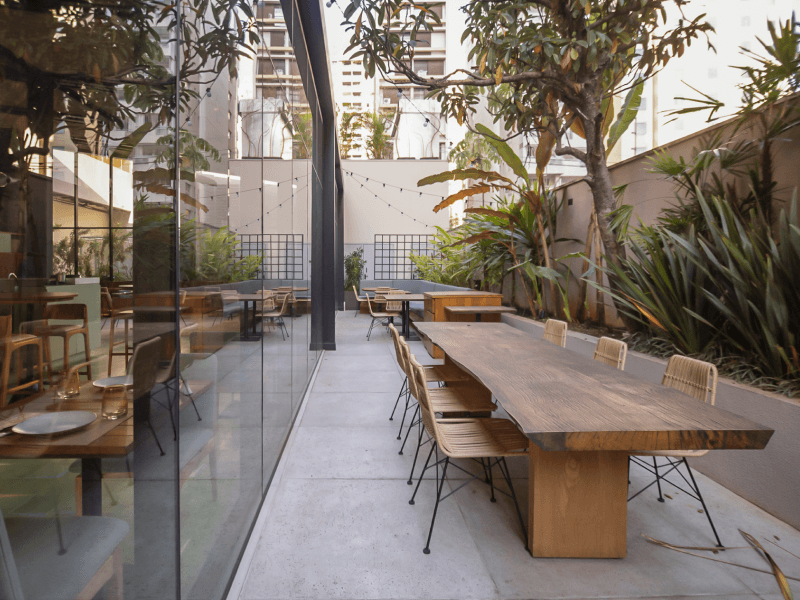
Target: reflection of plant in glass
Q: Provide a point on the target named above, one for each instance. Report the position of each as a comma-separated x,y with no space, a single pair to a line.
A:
218,257
93,254
349,124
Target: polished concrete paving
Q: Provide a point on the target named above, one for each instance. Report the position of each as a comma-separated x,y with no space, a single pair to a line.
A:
337,523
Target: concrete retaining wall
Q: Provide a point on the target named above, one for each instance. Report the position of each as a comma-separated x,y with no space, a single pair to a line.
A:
768,478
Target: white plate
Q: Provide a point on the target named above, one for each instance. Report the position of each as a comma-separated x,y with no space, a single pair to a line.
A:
118,380
55,422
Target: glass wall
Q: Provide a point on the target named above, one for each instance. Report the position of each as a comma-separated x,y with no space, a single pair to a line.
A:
155,311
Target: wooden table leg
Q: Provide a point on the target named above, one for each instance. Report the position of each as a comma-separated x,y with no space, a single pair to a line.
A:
577,504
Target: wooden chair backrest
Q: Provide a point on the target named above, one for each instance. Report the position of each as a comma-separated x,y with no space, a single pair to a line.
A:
106,302
356,291
5,326
67,312
693,377
181,297
555,332
284,303
612,352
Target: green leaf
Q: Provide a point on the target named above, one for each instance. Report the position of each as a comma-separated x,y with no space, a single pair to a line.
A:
461,175
506,153
126,146
626,115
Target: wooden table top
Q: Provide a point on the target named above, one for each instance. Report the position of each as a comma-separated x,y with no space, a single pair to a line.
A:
404,297
474,310
294,289
35,297
99,439
564,401
471,293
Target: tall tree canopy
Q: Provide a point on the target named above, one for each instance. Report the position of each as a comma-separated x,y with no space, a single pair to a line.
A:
548,66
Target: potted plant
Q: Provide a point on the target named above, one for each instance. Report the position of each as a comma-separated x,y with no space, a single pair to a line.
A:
354,264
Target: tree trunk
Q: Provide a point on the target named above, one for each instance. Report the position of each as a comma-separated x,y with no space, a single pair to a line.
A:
599,180
582,287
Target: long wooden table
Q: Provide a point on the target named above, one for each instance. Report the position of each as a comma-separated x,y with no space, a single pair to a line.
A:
583,418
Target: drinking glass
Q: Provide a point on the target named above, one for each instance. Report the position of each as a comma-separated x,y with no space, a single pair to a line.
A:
115,402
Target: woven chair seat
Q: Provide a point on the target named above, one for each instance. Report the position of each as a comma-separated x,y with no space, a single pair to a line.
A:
445,373
468,438
444,400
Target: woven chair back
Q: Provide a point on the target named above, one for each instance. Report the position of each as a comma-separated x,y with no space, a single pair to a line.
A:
428,418
405,353
693,377
555,332
395,306
395,338
612,352
67,312
369,306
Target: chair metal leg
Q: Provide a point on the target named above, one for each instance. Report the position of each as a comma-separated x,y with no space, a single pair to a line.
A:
427,548
400,395
403,421
658,480
491,480
155,437
416,454
422,474
408,431
705,508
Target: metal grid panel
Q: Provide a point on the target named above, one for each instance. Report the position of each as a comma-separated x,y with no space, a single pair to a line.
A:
392,251
281,253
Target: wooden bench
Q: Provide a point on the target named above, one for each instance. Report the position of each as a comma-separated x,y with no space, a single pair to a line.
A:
478,311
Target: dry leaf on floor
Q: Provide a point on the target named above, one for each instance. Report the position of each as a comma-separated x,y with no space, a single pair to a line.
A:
783,584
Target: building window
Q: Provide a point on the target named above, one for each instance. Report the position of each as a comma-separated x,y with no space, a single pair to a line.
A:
641,129
265,67
276,38
643,104
745,21
712,73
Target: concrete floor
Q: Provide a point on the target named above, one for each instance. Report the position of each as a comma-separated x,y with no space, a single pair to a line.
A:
337,523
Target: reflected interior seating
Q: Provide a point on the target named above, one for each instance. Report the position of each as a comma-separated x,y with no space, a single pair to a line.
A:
45,329
61,558
555,332
113,314
10,343
698,379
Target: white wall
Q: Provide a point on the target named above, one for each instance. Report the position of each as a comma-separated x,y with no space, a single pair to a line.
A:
365,215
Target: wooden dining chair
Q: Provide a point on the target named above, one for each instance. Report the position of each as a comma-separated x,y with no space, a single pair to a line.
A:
441,374
114,315
276,315
555,332
45,329
359,300
611,352
447,401
699,380
379,316
10,343
489,441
